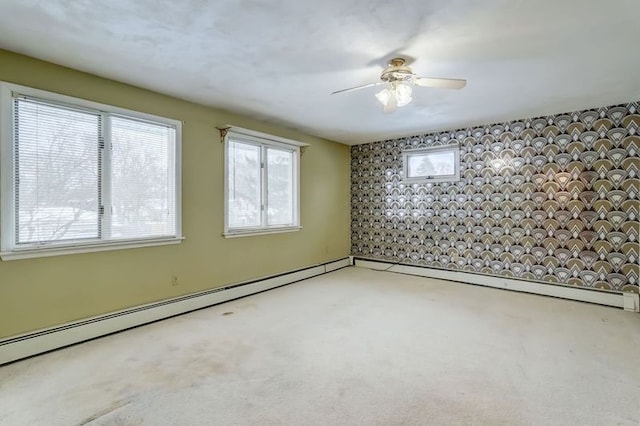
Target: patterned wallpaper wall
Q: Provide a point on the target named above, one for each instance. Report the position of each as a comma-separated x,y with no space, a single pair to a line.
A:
552,199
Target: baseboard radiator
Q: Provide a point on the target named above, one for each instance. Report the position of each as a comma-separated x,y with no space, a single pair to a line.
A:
627,301
45,340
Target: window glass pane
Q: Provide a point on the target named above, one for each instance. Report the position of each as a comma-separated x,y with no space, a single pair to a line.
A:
244,190
440,163
57,169
279,187
142,179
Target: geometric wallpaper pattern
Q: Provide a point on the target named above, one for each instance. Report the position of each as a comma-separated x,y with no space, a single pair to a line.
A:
551,199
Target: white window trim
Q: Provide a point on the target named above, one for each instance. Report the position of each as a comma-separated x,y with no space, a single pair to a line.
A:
431,179
262,139
8,249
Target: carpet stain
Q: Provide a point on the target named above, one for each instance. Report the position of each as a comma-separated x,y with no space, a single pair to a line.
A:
110,409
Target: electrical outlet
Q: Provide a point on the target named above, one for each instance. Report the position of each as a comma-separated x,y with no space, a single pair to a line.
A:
174,280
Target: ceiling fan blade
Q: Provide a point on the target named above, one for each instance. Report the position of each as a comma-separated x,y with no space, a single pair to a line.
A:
444,83
358,87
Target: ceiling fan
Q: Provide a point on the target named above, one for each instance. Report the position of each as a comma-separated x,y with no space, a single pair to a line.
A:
400,79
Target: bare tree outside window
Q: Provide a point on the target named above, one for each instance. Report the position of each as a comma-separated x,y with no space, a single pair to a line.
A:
81,175
261,187
140,179
244,191
279,187
437,164
432,164
57,152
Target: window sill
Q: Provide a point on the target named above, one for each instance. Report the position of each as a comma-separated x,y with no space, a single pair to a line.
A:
263,231
424,180
59,250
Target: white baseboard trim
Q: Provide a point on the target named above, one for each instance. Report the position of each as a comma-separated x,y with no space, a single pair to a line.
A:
34,343
627,301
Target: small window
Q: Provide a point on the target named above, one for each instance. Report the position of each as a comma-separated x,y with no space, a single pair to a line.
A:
261,183
436,164
79,176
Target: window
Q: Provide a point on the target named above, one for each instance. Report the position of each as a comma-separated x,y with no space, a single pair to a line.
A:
79,176
261,183
435,164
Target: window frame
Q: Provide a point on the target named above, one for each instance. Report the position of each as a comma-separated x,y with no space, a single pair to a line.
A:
454,147
264,141
9,250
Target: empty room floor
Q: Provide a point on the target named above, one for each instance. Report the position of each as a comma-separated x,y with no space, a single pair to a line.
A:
354,346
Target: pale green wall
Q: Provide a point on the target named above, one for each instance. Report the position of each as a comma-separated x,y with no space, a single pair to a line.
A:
43,292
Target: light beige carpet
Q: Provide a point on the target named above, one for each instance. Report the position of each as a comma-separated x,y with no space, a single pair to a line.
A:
354,347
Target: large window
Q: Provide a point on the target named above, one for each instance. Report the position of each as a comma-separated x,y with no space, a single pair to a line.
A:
434,164
261,183
79,176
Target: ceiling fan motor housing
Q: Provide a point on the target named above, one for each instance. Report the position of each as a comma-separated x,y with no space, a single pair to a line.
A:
396,71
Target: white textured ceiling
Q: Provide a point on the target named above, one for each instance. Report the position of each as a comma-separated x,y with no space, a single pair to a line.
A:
279,60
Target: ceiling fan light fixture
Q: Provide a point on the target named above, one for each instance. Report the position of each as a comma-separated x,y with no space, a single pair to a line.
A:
399,91
384,95
399,80
403,94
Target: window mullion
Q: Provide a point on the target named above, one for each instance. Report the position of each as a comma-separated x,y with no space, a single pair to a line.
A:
106,204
